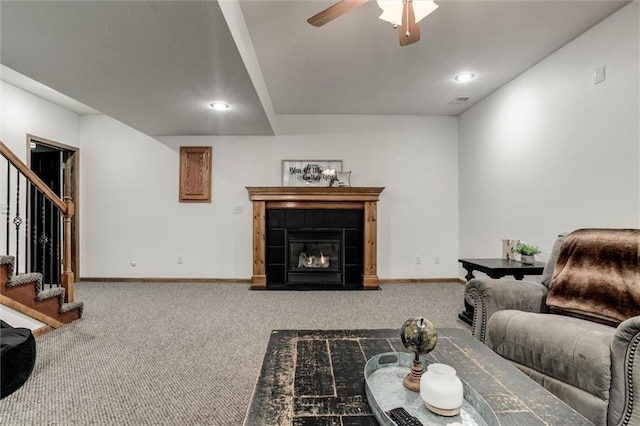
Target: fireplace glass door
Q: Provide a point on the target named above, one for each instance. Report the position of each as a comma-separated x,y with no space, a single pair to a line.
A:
315,256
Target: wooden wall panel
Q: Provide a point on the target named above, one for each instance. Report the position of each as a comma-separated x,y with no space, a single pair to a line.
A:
195,174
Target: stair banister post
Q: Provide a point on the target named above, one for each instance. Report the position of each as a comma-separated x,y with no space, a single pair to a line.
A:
67,278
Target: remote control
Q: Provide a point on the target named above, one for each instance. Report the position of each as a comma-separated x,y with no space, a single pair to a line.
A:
402,418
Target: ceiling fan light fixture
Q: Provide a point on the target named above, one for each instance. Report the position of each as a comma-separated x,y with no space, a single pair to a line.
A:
392,10
464,77
220,106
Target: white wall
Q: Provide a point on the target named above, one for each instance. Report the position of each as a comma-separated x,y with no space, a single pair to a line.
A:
22,113
130,205
551,151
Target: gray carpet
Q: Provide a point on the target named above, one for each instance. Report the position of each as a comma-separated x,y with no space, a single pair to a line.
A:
190,354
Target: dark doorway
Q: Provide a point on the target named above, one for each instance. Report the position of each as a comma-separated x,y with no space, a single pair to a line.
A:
46,222
56,165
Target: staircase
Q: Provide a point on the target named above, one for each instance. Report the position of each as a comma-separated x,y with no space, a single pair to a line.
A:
27,290
38,244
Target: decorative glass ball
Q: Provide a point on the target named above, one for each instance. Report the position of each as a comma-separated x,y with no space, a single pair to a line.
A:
419,336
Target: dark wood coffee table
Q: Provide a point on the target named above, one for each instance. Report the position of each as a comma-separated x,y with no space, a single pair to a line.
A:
316,377
495,268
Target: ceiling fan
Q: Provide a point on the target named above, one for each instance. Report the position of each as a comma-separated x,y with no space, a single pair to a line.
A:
402,14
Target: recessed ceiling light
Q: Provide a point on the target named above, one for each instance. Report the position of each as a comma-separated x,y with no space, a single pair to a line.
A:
219,106
464,77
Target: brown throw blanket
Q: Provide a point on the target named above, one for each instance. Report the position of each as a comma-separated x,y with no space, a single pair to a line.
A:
597,275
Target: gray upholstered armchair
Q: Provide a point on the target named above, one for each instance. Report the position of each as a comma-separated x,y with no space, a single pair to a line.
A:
577,332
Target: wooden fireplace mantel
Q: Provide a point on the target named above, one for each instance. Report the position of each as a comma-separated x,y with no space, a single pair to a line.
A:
305,197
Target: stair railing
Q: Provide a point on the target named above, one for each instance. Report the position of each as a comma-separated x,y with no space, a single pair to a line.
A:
49,256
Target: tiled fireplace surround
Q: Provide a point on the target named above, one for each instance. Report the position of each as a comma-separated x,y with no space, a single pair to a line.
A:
311,199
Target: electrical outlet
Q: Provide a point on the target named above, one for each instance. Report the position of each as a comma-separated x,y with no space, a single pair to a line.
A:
4,208
180,258
436,260
418,260
238,210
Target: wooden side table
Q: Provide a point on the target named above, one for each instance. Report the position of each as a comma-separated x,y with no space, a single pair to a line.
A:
495,268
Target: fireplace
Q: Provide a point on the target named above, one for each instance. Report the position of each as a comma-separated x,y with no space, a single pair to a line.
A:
314,238
314,257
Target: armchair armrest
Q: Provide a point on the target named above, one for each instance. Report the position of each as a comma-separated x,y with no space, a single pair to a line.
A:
488,295
624,395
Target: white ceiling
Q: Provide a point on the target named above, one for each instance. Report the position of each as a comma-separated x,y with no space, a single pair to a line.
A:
156,65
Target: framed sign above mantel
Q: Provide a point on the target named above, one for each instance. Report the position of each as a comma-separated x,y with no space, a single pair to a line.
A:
310,172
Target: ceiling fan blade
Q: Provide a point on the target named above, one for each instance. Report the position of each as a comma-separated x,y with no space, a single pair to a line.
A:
409,31
335,11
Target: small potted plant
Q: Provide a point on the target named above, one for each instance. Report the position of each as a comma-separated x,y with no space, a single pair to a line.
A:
527,253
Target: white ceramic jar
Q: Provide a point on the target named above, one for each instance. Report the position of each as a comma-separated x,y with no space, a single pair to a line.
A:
441,390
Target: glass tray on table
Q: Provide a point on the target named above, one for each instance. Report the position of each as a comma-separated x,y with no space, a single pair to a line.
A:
383,375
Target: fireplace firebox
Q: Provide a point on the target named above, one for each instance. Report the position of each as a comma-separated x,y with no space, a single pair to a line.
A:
314,256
